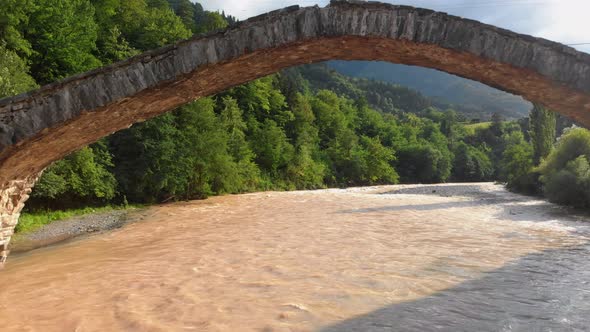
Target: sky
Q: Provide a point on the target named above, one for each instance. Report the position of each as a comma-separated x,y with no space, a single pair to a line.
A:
564,21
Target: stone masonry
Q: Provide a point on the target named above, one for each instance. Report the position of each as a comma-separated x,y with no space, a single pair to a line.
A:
42,126
12,199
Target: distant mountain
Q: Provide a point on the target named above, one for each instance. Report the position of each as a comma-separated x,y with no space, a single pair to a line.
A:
383,96
471,98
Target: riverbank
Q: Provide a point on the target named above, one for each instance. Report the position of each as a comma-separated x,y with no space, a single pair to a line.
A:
106,220
74,227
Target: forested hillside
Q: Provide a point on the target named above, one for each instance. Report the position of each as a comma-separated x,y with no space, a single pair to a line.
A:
302,128
383,96
470,98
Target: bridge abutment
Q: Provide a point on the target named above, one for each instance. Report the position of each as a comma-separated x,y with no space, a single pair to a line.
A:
13,196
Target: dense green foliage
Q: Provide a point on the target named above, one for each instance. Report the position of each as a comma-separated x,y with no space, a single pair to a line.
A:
560,171
565,173
542,130
59,49
14,76
472,164
306,127
13,18
384,97
517,164
82,177
472,99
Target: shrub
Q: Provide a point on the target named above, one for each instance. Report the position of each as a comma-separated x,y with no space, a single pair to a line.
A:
565,173
517,165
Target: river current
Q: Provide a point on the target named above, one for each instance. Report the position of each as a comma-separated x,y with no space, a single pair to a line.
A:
468,257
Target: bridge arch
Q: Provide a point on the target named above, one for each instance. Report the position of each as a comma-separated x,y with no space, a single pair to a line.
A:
42,126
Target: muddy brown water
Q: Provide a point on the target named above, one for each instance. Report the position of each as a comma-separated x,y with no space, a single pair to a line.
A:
427,258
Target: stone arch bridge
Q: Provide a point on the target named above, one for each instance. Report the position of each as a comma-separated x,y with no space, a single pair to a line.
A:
42,126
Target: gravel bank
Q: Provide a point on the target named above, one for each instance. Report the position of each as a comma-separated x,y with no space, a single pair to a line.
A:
66,229
474,190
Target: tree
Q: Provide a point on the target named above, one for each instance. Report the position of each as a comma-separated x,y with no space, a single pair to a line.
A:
448,127
204,144
345,158
186,11
306,171
112,46
422,163
330,120
302,128
144,25
261,99
211,21
471,164
14,17
291,83
231,118
111,43
180,155
14,76
159,4
272,148
370,122
431,135
63,36
128,16
573,143
378,161
517,165
160,27
542,129
569,185
81,178
496,126
147,165
565,173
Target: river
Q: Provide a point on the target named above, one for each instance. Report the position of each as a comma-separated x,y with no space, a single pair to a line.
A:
464,257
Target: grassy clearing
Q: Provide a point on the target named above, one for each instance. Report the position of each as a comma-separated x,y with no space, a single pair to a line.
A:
30,221
472,127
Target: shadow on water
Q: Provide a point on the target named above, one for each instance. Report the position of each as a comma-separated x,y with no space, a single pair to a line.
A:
546,291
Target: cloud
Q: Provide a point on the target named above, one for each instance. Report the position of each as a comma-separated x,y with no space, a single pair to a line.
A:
564,21
243,9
